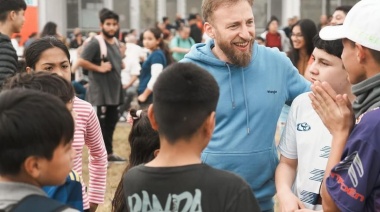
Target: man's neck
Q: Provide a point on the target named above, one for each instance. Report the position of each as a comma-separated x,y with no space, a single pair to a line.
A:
219,54
5,30
108,40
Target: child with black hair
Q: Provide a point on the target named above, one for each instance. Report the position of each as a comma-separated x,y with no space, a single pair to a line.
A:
34,151
70,193
145,145
176,179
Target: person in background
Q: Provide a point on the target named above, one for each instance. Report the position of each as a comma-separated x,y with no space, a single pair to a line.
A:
77,41
181,43
11,21
275,37
105,90
145,145
340,14
302,42
32,37
50,29
195,32
152,67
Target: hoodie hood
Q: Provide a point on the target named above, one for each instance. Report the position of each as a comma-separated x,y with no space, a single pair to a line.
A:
250,103
202,53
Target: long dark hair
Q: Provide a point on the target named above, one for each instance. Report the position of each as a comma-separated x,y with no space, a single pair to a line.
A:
158,34
50,29
308,30
33,53
144,141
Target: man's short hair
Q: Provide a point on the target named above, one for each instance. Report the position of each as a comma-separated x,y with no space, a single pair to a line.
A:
32,123
344,8
10,5
209,6
43,81
184,96
333,47
105,14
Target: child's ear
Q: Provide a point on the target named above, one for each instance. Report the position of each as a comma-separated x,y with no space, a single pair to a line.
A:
32,166
155,153
209,125
151,117
28,70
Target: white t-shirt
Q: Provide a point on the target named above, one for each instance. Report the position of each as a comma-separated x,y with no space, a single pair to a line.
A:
307,139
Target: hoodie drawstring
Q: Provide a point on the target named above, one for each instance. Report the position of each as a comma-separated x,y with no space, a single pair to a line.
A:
244,93
245,101
231,89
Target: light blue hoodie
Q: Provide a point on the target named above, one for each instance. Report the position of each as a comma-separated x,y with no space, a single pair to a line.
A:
250,103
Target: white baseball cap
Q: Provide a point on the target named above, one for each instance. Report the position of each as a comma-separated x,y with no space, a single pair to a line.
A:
361,25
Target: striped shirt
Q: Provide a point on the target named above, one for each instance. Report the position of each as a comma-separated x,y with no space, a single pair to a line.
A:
88,132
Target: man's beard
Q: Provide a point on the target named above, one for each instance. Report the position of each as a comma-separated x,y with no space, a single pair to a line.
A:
108,35
237,57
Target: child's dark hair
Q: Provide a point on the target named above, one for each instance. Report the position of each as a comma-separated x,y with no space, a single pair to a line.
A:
333,47
43,81
184,96
36,48
32,123
144,141
344,8
7,6
158,34
105,14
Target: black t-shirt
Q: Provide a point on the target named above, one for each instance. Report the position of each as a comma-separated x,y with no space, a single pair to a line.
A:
196,187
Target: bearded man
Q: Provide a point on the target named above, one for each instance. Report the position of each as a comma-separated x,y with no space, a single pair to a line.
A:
255,82
105,89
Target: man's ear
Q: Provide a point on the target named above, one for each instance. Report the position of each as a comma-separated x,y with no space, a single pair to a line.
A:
32,166
12,15
151,117
29,70
209,29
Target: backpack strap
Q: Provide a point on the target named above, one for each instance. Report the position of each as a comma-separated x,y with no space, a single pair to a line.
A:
38,203
103,46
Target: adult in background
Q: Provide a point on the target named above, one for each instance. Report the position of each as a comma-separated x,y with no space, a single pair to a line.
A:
340,14
302,42
275,37
181,43
11,21
105,89
255,82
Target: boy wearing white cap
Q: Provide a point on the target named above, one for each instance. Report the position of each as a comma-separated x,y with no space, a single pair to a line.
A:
352,177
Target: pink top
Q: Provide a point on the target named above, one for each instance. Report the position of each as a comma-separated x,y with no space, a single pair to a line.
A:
87,131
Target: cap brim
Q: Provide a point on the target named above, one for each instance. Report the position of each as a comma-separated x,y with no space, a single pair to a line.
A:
332,32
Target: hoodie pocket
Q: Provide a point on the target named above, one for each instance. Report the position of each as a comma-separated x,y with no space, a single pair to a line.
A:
257,169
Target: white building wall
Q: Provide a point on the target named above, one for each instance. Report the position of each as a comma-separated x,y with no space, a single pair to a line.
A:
55,11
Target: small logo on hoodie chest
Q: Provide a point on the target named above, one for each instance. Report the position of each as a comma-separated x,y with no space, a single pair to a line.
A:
272,91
